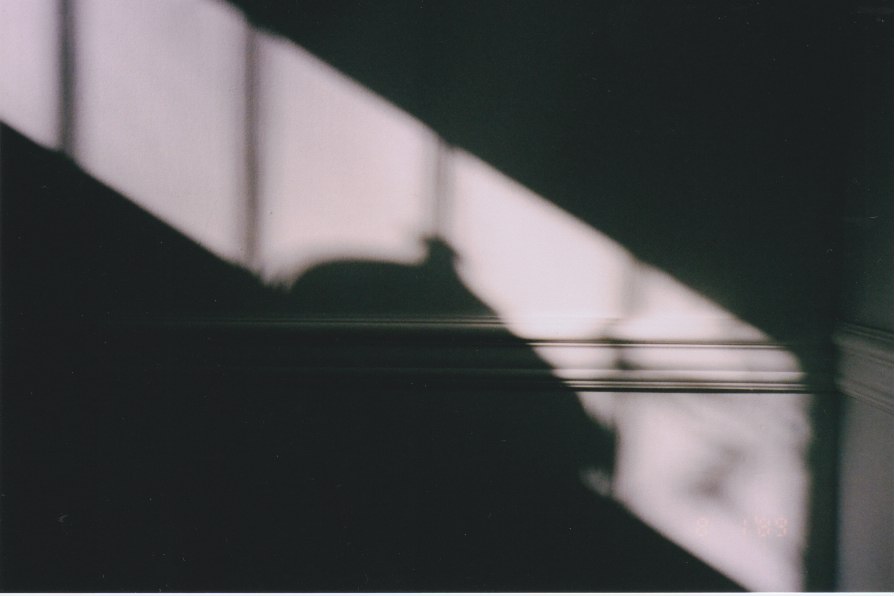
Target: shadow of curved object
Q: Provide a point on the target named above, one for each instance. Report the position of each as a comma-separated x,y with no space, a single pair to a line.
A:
147,458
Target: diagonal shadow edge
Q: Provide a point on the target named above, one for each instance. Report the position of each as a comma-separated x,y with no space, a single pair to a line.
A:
106,209
770,326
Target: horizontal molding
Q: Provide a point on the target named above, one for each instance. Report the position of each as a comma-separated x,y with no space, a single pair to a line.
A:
865,368
731,337
474,352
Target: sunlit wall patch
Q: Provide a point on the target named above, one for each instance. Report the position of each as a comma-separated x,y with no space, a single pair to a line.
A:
342,173
545,272
724,476
159,111
30,67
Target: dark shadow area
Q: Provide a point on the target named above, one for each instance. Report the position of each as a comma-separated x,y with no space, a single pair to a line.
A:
150,441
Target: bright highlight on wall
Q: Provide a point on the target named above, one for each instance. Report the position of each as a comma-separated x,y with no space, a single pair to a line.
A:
343,174
158,111
30,68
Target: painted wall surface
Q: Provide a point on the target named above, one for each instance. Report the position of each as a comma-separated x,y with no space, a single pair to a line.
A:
633,208
866,348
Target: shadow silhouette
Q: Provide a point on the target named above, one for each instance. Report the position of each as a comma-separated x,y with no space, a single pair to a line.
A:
144,450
